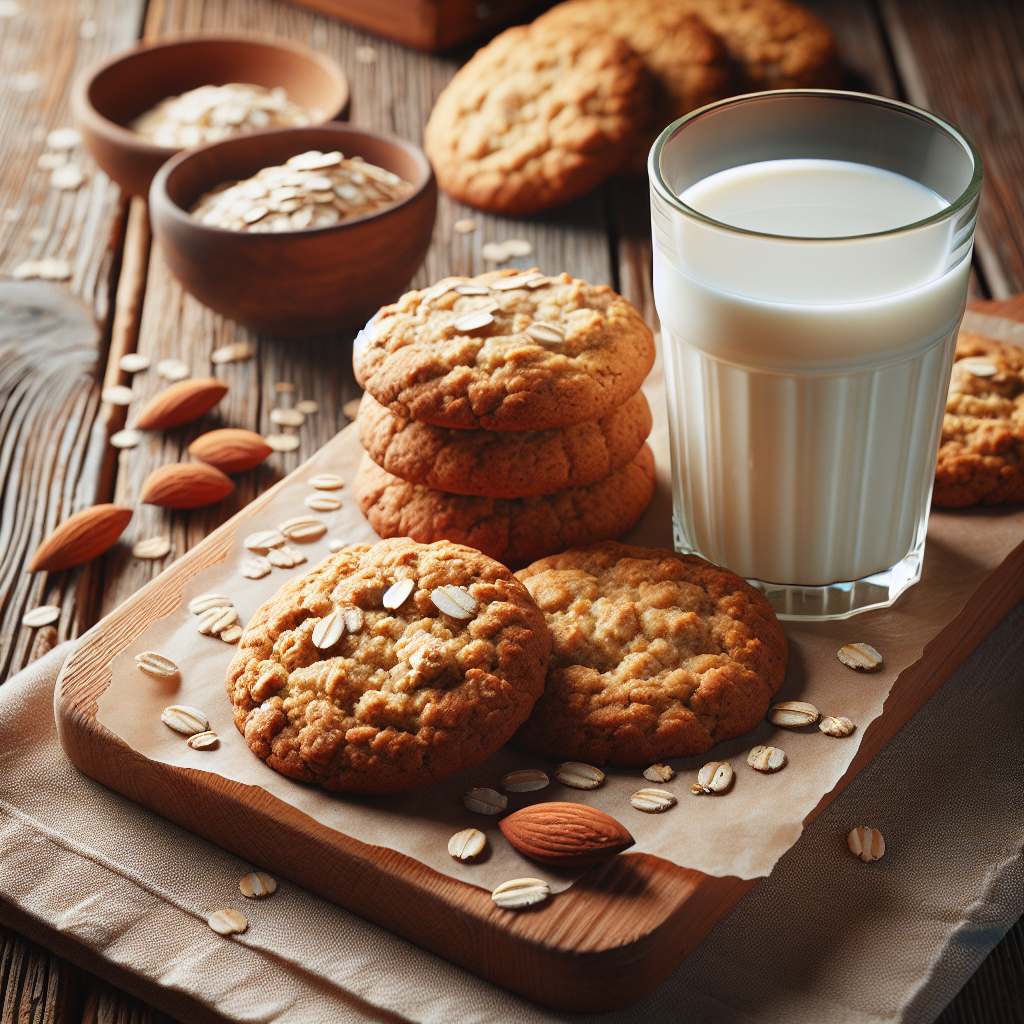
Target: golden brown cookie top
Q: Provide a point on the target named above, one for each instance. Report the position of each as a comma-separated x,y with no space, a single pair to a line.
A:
536,117
342,680
504,464
655,655
775,44
478,352
687,62
981,453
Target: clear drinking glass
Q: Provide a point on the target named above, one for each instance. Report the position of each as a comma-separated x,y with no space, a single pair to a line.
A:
806,377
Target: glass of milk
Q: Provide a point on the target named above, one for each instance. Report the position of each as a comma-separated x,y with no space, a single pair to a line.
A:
811,259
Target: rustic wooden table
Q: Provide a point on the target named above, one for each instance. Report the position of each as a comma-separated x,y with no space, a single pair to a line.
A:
60,342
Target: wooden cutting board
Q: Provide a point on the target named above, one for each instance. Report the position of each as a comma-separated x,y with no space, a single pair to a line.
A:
600,945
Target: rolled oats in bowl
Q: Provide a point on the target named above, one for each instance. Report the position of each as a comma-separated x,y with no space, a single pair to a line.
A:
311,190
213,112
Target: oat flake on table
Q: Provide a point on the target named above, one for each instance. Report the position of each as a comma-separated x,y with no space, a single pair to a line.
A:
311,190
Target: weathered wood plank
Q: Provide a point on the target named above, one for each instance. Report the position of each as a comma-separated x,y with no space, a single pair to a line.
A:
42,49
50,345
966,63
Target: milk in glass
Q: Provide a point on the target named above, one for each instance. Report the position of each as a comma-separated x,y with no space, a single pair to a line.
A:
805,405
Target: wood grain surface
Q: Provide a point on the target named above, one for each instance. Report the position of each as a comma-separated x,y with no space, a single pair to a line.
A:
962,60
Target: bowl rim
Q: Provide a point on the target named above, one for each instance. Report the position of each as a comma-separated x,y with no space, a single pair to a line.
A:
82,105
161,201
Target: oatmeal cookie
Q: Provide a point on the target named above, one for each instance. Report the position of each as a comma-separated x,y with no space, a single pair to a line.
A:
981,454
404,696
655,655
476,353
536,118
775,44
507,464
687,63
513,530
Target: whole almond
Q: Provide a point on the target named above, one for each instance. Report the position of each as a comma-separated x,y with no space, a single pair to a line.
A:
565,833
181,403
185,485
231,450
82,537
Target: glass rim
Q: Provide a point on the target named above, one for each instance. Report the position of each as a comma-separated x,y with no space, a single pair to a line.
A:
968,196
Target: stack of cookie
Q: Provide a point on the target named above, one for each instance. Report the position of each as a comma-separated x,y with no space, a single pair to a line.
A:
981,454
546,111
504,412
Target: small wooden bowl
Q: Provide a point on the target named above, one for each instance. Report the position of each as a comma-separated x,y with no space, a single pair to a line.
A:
296,283
107,97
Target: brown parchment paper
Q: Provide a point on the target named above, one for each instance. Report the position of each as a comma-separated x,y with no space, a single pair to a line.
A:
743,833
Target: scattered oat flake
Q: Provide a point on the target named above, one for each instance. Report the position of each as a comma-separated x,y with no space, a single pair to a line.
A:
173,369
63,138
256,568
39,234
126,438
518,247
47,269
28,82
203,740
67,178
88,29
307,407
234,353
44,615
366,54
228,922
465,226
494,252
50,161
335,544
119,394
287,417
322,502
134,362
283,442
326,482
9,9
351,409
152,547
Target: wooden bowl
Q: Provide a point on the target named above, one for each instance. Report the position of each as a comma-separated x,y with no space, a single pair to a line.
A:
108,96
295,283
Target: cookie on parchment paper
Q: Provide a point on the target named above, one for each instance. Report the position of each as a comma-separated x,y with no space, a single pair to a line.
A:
687,63
981,454
537,117
508,464
505,351
512,530
655,655
403,696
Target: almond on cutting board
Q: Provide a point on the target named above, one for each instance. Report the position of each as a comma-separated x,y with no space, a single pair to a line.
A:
185,485
181,403
565,833
82,537
231,450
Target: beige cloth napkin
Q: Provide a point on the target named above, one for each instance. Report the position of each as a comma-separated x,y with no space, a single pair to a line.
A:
824,938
